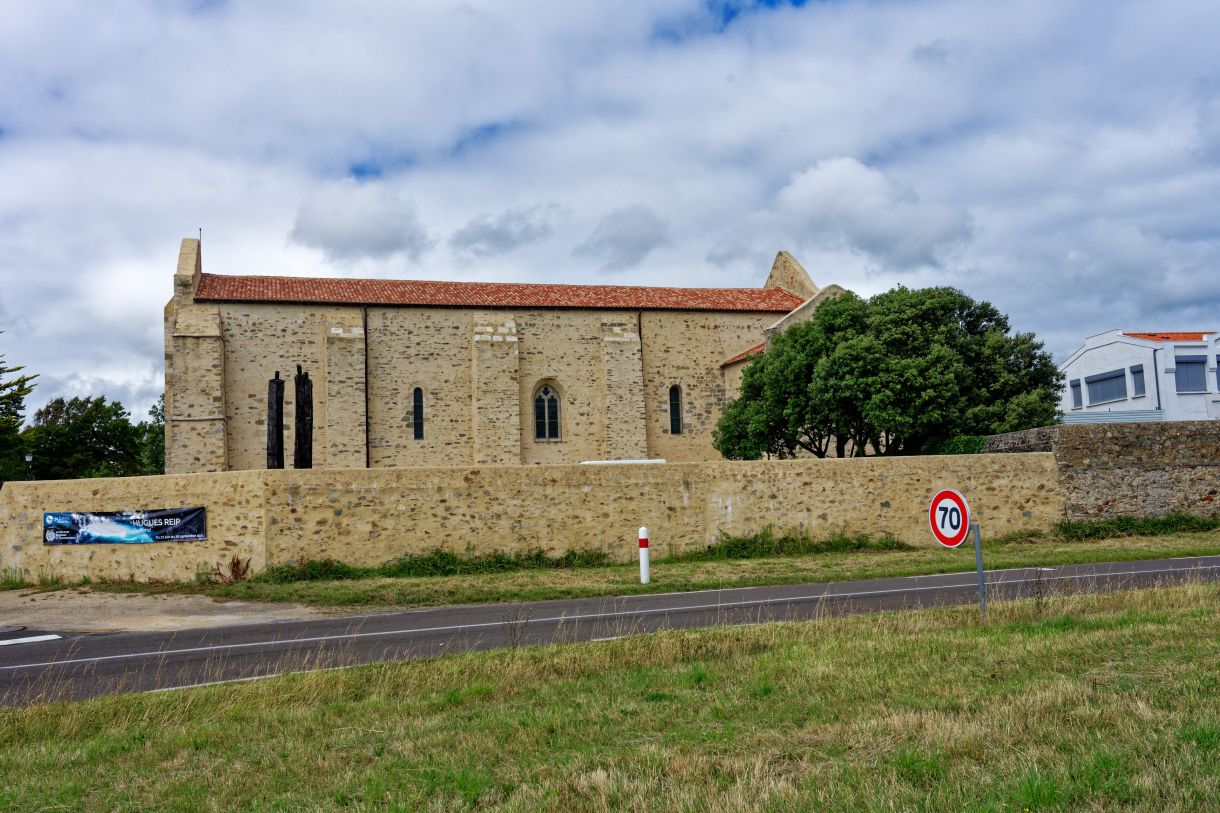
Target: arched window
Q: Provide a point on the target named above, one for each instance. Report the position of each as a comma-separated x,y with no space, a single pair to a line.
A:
417,413
675,410
546,414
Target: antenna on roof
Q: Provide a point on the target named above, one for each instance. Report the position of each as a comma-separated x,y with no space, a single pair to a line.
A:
201,234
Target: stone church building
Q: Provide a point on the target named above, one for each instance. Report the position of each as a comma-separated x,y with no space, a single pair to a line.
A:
413,373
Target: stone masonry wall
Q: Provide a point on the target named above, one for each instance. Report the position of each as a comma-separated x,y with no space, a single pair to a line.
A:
261,339
1128,469
1041,439
235,503
367,516
1139,469
429,349
687,349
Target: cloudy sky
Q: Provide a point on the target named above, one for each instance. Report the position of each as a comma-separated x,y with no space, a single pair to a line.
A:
1059,158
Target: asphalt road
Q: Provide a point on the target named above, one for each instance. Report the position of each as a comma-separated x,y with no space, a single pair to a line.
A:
45,665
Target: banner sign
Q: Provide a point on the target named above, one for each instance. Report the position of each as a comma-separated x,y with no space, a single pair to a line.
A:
125,527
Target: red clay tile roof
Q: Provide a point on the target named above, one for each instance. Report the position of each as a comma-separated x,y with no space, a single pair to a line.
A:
745,354
307,290
1172,337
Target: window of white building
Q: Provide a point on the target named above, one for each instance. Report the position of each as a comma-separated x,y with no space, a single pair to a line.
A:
1137,380
1111,386
1190,373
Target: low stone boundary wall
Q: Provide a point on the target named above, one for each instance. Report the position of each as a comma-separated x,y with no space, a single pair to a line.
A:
235,512
1129,469
366,517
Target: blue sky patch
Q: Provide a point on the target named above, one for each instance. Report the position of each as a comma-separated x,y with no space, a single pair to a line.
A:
378,161
714,17
478,137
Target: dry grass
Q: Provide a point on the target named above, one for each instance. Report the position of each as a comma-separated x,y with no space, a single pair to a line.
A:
1071,702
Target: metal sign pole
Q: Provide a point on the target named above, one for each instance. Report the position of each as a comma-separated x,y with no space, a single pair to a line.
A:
978,560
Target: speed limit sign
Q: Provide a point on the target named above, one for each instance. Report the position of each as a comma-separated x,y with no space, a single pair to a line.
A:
949,516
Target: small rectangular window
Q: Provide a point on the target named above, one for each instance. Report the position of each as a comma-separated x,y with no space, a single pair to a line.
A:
1190,373
1111,386
1137,380
417,413
1077,403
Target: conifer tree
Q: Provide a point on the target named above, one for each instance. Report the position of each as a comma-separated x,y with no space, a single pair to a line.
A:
13,390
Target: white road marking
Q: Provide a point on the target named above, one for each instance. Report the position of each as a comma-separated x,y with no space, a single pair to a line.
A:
588,616
33,639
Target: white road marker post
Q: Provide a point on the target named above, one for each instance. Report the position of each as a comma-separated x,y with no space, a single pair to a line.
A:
644,556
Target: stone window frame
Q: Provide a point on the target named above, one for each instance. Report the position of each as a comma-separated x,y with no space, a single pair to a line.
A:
675,414
552,421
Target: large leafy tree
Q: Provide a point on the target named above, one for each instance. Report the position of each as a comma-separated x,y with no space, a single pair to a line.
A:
13,390
152,439
894,374
84,437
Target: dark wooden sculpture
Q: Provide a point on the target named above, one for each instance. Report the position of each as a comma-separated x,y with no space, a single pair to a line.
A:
275,422
302,455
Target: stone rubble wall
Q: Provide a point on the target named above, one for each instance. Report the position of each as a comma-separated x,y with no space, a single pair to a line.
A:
1128,469
368,516
1139,469
236,518
1041,439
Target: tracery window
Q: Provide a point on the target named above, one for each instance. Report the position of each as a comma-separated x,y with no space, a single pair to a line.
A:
546,413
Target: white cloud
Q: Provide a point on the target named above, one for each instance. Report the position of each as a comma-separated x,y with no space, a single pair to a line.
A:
840,203
488,236
624,238
349,220
1058,157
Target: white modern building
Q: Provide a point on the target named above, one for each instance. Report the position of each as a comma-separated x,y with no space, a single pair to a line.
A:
1119,376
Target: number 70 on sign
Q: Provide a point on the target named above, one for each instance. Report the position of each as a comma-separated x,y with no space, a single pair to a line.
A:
949,516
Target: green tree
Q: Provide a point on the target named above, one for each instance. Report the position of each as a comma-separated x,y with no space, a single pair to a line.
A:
84,437
894,374
152,439
13,390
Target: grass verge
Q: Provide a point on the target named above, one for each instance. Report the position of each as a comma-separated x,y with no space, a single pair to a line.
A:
1068,703
781,560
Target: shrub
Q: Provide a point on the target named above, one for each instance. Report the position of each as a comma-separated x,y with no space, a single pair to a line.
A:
1075,530
308,570
961,444
792,543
